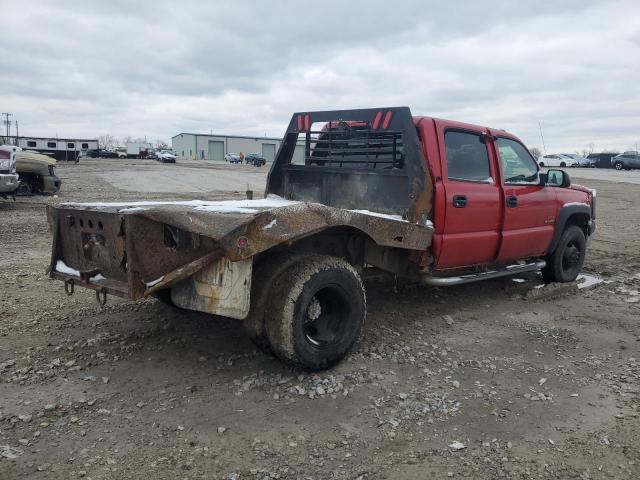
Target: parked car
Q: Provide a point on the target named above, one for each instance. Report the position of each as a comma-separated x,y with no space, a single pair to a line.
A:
557,160
232,158
149,154
582,161
601,160
626,160
166,156
256,159
101,153
289,265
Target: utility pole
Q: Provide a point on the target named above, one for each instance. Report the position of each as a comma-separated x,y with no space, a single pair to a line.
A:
7,122
544,147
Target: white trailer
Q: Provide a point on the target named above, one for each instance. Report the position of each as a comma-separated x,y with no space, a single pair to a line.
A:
138,149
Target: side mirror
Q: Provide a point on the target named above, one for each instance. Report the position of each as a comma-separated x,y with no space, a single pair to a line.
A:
557,178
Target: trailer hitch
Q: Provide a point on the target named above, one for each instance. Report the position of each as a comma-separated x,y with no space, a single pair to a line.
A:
69,286
101,297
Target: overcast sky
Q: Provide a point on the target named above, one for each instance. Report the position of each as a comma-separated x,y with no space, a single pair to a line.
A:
155,69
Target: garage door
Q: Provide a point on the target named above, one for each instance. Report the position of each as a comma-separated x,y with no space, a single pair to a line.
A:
269,151
216,150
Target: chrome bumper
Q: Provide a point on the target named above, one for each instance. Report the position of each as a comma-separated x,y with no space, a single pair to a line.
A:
8,182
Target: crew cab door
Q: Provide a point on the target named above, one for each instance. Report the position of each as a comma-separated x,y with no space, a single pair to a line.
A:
472,210
529,208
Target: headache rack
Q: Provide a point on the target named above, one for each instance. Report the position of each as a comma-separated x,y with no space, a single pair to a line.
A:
365,159
352,144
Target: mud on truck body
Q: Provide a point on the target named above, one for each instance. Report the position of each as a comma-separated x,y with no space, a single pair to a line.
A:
434,201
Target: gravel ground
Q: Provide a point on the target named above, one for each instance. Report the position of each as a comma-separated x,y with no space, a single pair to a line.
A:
491,380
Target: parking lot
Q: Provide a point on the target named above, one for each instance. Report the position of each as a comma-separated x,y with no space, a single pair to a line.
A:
495,379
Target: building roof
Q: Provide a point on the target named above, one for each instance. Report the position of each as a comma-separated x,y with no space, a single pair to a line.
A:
22,137
279,139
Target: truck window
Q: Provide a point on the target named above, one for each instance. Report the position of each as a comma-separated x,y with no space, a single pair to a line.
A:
517,164
467,157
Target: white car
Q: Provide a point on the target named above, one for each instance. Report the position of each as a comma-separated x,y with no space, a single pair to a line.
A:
165,156
557,160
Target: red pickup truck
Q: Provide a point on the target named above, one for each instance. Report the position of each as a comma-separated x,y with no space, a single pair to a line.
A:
434,201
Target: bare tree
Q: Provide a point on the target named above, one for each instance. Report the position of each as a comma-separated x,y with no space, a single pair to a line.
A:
536,152
107,141
585,152
161,145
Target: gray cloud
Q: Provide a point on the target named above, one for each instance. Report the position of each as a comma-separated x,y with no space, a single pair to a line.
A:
160,68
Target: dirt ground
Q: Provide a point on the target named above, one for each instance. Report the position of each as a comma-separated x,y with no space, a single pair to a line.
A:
490,380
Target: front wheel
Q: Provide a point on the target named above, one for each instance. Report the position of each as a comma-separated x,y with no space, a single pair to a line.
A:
24,189
618,165
541,164
565,262
562,164
316,312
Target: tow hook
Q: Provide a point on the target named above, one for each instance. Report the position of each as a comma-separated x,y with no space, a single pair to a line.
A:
101,297
68,286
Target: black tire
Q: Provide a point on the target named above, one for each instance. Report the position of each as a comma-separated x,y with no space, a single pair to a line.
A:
316,312
562,164
541,164
164,296
263,276
565,262
24,190
618,166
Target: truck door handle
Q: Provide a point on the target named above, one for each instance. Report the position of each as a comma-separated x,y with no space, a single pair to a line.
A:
459,201
512,201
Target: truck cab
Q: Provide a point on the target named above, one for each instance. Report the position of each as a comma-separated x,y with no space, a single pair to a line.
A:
492,204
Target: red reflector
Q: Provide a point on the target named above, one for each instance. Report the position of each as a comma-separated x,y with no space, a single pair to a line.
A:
242,242
376,120
387,120
299,122
307,122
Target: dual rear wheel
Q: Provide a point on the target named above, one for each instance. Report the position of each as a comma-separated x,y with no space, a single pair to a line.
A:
308,309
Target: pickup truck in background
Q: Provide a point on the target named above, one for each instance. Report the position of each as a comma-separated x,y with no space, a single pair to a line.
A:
433,201
37,174
8,177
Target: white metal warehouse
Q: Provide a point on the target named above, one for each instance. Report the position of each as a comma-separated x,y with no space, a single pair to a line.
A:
199,146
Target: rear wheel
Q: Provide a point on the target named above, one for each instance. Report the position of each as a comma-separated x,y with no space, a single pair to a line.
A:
565,262
541,164
316,312
261,290
618,165
562,164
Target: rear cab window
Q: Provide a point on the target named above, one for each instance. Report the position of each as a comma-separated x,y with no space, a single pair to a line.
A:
518,166
467,157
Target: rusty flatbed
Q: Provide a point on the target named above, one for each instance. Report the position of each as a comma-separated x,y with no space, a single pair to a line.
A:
135,249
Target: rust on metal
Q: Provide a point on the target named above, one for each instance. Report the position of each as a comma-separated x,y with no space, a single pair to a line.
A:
136,253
